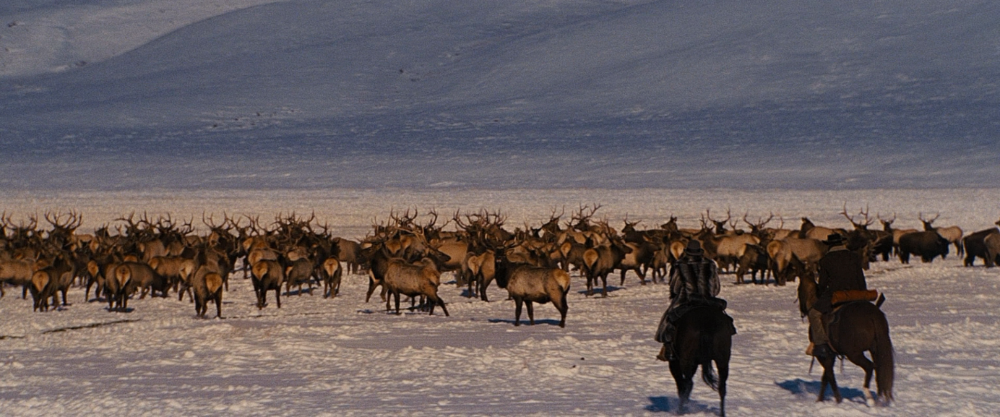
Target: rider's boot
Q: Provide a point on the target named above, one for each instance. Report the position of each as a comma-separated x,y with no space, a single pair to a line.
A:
666,352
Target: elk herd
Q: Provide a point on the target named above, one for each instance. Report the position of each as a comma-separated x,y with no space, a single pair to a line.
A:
139,257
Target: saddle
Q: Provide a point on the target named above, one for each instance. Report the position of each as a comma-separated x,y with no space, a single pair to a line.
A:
693,303
841,299
672,316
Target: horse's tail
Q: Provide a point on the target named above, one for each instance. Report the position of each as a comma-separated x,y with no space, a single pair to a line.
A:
884,358
706,349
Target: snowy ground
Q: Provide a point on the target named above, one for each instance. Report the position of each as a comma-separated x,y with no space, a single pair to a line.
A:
346,357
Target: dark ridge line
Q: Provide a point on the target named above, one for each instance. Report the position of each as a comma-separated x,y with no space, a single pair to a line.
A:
90,326
2,337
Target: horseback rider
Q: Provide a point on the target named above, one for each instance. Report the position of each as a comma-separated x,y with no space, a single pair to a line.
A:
694,281
839,270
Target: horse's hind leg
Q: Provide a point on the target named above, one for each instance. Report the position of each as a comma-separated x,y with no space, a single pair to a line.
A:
723,367
828,379
685,382
859,359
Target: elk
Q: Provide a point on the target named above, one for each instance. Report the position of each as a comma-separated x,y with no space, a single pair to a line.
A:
953,234
638,259
267,275
659,263
330,271
18,272
926,244
896,233
528,283
116,287
175,269
992,243
811,231
141,277
480,272
754,259
298,272
347,253
207,285
780,232
412,280
58,276
975,245
724,248
601,260
860,240
782,252
376,256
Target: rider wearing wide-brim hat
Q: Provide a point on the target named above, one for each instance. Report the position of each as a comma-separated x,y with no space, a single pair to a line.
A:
694,280
839,270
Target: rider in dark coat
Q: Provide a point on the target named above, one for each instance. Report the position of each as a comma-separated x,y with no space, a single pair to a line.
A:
694,280
839,270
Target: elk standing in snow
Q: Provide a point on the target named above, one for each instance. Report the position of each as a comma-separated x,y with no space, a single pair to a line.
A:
529,283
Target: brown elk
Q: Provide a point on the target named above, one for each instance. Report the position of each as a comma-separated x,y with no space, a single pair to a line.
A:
207,285
860,240
57,278
175,269
267,275
348,253
811,231
601,260
532,284
142,278
783,252
18,272
896,233
423,279
330,272
992,244
725,249
299,272
953,234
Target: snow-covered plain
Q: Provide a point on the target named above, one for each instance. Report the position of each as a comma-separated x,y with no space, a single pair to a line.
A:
346,357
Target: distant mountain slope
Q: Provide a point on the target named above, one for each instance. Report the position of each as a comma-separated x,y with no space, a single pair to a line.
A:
795,92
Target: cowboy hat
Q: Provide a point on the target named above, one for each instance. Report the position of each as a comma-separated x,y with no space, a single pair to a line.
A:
694,248
834,239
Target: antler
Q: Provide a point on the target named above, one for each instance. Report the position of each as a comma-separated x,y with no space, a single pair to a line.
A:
857,225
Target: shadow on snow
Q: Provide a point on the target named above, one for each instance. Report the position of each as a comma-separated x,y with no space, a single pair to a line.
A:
800,386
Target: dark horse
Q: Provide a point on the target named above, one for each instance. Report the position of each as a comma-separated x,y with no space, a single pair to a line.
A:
859,326
704,334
